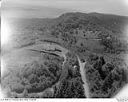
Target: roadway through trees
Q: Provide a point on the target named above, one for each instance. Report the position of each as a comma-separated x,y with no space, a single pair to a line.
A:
51,48
60,51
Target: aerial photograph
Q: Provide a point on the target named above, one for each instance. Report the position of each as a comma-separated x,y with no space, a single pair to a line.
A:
64,48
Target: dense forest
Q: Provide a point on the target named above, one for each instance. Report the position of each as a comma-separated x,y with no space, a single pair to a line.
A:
98,39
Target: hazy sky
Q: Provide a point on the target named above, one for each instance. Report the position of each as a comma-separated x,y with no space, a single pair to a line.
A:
53,8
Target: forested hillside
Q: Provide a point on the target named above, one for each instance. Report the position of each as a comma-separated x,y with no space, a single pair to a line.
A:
98,40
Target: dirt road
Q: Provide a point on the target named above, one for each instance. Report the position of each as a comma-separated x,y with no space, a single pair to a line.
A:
27,53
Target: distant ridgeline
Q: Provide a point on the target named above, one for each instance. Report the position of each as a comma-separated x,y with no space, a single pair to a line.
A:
98,39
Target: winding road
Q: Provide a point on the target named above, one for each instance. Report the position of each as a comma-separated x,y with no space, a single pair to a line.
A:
51,49
58,50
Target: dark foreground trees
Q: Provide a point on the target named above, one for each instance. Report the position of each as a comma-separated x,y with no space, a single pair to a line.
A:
33,77
105,79
70,88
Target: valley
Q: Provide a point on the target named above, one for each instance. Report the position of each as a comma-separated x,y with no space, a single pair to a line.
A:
75,55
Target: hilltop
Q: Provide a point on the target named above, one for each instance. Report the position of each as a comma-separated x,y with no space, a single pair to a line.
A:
94,39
